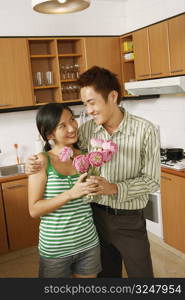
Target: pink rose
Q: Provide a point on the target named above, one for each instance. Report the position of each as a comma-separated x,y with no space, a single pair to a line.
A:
107,155
95,158
81,163
109,145
97,143
65,154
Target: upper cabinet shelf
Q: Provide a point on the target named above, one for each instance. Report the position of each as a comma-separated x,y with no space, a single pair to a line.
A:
45,87
69,55
43,56
42,47
127,60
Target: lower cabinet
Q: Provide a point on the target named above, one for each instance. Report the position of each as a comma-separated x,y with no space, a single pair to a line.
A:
173,210
3,232
22,230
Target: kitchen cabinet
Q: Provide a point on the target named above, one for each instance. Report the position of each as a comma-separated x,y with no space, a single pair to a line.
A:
36,71
173,208
142,54
71,57
102,51
151,52
22,230
15,81
64,58
158,51
3,232
176,31
67,58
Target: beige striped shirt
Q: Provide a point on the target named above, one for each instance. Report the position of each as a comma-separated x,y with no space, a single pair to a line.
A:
135,168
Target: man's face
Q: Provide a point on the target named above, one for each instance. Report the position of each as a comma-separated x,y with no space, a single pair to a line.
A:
96,106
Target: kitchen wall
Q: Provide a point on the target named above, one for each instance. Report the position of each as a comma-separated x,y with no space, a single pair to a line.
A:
103,17
145,12
167,112
20,128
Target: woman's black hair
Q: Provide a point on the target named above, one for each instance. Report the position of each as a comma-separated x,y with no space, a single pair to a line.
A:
47,120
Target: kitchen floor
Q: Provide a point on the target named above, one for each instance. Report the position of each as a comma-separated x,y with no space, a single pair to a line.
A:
167,261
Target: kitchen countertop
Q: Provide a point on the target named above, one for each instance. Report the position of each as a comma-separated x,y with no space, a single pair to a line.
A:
22,176
173,172
12,178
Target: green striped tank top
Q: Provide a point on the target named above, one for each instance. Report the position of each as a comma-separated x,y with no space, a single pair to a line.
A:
69,229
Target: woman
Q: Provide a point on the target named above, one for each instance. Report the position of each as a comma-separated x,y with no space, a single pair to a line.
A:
68,241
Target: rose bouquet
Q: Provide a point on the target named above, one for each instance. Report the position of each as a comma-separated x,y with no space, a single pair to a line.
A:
92,161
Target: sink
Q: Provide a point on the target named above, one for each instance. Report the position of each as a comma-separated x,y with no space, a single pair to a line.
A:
12,170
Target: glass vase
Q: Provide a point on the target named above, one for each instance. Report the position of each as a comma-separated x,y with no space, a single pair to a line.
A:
93,171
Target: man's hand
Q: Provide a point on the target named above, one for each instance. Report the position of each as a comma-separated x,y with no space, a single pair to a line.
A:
33,165
105,187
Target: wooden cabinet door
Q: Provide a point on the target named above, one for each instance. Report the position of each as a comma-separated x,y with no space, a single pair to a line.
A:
176,29
173,209
142,54
15,78
102,51
159,50
22,229
3,232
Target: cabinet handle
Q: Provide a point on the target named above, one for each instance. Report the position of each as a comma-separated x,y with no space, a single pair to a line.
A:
166,178
144,75
16,186
173,71
1,105
153,74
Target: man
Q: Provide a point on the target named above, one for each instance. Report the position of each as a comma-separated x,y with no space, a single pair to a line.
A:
126,180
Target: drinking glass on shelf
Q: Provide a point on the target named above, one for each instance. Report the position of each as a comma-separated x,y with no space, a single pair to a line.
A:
68,92
76,90
72,72
48,78
65,92
63,71
71,92
76,70
67,71
38,78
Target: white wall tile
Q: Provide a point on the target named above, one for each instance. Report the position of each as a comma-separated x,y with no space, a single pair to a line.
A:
17,128
168,112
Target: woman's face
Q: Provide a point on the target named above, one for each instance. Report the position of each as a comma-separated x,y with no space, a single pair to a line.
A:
65,134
